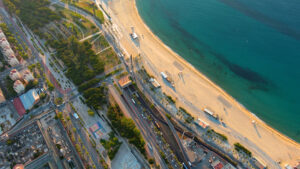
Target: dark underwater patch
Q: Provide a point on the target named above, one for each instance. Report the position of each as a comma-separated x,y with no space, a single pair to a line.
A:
242,72
246,73
257,80
278,25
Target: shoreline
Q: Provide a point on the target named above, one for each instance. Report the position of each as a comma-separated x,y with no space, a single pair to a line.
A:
222,91
280,136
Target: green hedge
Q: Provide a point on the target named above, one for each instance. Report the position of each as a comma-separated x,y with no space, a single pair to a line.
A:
126,127
240,148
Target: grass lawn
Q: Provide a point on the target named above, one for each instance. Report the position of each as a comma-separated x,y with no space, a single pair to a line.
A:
90,7
99,43
78,32
102,42
110,58
82,24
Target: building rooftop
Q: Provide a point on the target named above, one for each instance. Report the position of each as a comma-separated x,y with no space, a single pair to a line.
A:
13,71
19,166
229,166
202,123
14,74
19,106
154,83
2,98
217,164
29,99
24,146
125,81
18,86
27,75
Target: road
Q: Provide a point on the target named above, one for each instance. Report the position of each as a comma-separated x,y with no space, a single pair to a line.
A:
37,56
74,152
7,71
108,37
110,40
145,130
44,159
188,132
13,27
27,118
90,36
16,28
85,140
248,143
168,134
52,148
181,129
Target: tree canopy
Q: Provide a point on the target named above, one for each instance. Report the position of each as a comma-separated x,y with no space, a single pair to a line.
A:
82,62
126,128
34,13
95,97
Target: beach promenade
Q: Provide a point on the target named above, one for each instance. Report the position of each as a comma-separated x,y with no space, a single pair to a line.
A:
194,91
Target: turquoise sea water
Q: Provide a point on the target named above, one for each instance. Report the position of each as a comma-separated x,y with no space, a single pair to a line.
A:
249,48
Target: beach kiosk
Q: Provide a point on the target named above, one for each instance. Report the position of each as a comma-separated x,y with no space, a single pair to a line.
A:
133,34
154,83
166,77
211,113
199,122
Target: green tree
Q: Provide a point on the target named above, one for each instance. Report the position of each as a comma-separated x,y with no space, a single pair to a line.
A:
91,112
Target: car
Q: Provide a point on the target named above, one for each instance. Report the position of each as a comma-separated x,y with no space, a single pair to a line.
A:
150,147
184,166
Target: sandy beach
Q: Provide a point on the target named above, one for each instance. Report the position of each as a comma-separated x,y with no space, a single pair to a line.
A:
194,91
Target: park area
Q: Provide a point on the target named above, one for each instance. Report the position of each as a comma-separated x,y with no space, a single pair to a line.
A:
80,26
89,7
